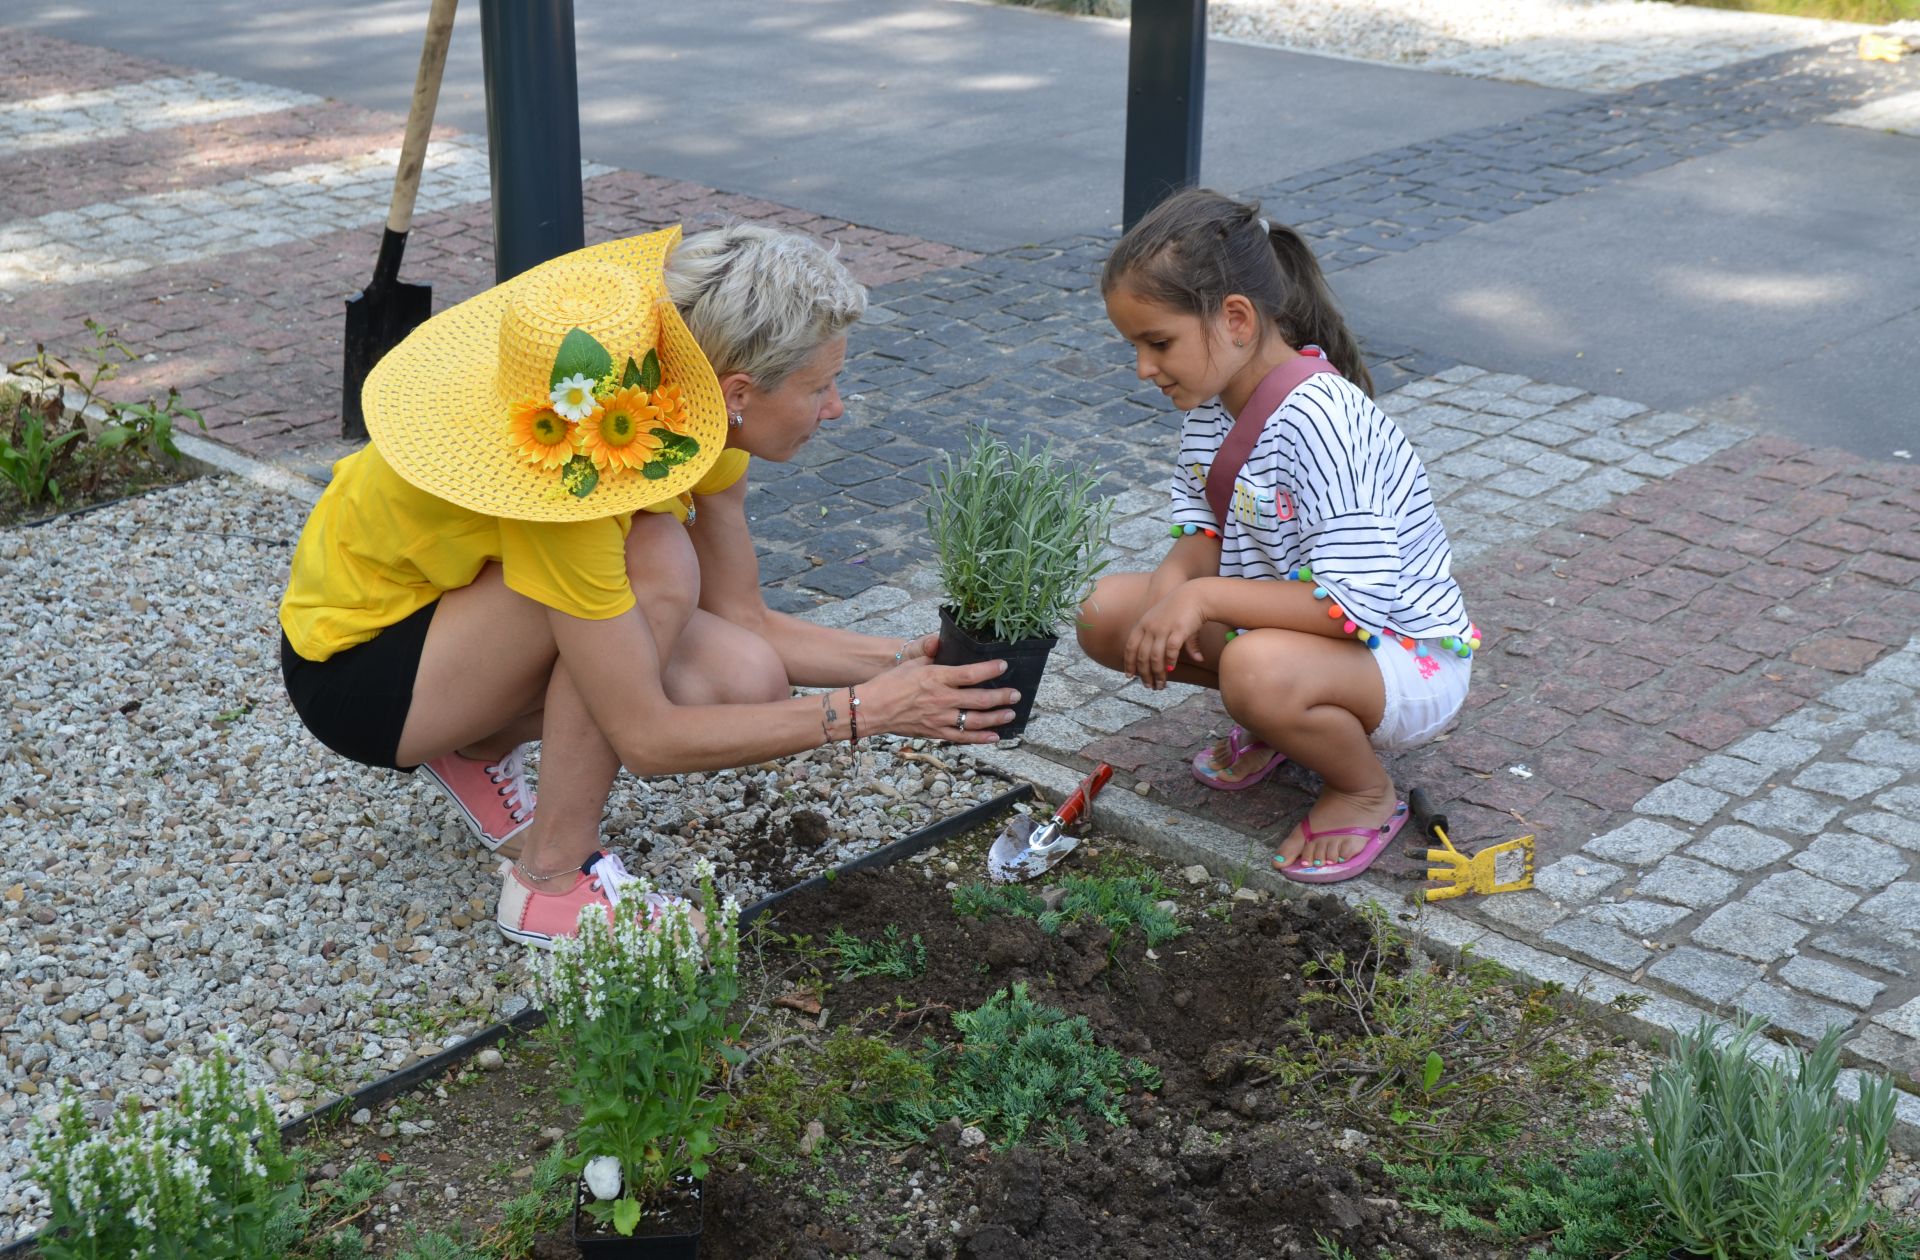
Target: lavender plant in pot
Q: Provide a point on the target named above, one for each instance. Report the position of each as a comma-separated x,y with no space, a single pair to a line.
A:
1020,538
639,1000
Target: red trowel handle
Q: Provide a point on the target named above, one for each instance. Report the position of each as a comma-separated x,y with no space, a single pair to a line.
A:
1076,804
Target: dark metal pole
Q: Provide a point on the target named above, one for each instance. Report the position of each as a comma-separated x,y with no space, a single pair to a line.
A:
1166,79
533,131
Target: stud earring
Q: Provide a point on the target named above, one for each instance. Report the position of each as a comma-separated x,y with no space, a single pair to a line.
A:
735,419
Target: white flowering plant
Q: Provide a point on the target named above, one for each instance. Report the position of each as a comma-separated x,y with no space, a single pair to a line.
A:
201,1176
640,999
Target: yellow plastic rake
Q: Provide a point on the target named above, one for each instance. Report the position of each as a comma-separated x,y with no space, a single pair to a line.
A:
1459,872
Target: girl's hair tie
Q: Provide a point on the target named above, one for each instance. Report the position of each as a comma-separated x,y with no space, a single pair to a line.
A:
1266,229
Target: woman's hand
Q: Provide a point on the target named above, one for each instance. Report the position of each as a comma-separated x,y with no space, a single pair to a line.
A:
928,701
1168,628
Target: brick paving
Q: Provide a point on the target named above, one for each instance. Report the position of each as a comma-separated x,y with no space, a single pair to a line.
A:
1699,687
224,249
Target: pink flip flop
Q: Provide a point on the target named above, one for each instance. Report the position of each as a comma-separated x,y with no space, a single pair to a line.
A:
1238,746
1378,838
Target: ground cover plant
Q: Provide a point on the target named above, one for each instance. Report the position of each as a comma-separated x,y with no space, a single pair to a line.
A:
53,455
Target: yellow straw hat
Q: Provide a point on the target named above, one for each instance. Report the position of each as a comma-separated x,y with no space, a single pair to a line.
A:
571,392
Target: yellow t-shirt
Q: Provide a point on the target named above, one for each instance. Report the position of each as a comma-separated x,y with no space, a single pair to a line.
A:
378,549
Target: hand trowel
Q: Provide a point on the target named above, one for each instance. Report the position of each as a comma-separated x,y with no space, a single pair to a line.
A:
1026,848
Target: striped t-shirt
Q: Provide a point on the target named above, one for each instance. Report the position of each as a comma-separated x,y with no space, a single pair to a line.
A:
1332,484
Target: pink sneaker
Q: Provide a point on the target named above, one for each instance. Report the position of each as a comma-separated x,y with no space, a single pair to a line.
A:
536,918
494,799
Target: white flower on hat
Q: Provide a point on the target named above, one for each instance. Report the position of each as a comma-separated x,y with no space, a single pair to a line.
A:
573,397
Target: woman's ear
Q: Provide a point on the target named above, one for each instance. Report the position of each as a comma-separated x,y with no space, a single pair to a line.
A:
737,389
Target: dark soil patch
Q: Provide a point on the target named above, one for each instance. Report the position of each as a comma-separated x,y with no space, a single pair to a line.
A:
1208,1165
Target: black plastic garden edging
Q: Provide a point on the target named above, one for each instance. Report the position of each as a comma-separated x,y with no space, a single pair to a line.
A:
376,1092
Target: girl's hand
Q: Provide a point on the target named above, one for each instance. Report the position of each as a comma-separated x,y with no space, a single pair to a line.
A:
928,701
1168,628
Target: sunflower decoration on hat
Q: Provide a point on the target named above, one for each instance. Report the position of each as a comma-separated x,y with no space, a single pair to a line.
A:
570,392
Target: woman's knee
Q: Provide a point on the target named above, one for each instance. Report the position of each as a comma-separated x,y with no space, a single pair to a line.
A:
721,663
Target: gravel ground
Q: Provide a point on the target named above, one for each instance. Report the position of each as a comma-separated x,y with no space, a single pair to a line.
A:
180,860
1593,45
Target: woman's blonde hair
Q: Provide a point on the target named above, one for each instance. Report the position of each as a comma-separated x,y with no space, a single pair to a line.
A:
760,301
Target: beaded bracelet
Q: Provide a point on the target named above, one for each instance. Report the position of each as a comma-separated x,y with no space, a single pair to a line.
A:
1462,646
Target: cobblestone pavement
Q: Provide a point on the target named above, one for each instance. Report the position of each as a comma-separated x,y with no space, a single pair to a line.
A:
1699,684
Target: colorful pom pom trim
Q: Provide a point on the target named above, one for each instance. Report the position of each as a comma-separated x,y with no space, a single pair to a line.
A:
1181,531
1462,646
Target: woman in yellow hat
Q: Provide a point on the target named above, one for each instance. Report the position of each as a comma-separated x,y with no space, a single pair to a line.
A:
547,539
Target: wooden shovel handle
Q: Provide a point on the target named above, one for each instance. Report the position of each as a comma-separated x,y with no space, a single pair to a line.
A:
426,93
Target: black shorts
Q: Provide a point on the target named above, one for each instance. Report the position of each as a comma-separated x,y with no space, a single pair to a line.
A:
355,702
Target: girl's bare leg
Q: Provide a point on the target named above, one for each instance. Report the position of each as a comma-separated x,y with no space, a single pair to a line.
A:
1108,617
1315,699
1311,697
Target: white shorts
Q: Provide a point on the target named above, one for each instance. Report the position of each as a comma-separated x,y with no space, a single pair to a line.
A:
1424,694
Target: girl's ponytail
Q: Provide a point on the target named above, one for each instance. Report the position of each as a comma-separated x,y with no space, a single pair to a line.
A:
1195,248
1311,315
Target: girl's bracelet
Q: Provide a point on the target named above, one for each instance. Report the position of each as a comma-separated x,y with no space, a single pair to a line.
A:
853,716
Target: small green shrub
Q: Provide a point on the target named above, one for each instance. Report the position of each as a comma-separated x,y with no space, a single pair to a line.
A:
1583,1203
1022,1068
1019,537
1122,902
889,956
1757,1161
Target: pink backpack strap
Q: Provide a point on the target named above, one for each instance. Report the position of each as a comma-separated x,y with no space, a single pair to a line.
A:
1267,397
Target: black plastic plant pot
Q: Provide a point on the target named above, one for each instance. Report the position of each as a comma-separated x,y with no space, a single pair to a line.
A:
675,1224
1026,663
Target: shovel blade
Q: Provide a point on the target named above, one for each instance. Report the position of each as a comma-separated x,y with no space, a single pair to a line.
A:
1014,856
378,319
1015,863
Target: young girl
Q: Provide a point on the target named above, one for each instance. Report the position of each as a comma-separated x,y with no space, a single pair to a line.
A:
1320,600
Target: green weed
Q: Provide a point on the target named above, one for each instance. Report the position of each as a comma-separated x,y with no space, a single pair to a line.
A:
1121,902
1420,1057
45,451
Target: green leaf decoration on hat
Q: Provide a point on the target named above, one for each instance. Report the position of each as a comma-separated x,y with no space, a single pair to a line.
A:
677,447
631,377
580,355
578,476
649,371
675,450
